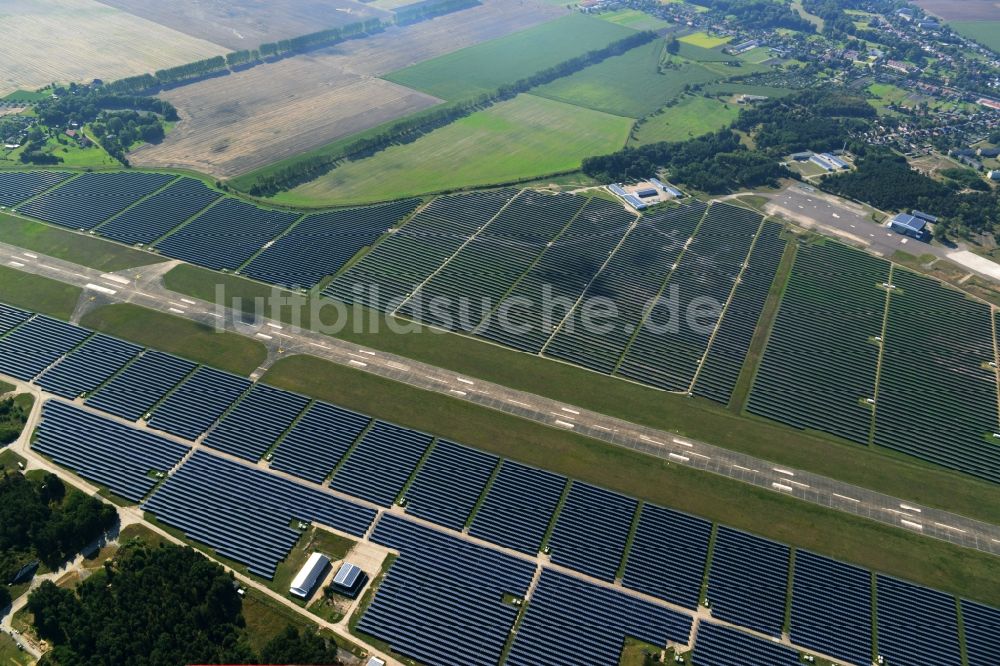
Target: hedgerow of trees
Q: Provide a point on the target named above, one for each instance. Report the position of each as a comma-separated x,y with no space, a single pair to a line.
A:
160,606
761,14
12,419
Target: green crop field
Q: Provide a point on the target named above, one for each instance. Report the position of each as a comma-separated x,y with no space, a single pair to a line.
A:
635,19
628,85
704,40
986,33
525,137
484,67
692,116
37,293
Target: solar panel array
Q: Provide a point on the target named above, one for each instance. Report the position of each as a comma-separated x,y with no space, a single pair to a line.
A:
982,633
244,513
631,280
561,274
913,621
92,364
832,608
131,394
668,556
381,463
592,530
36,344
937,396
667,351
10,318
731,343
18,186
723,646
91,198
459,295
518,508
104,451
820,362
159,214
441,602
748,581
256,422
571,622
449,484
226,235
409,256
320,244
317,442
198,403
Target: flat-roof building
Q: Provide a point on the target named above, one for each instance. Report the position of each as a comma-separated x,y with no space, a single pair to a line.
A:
305,580
349,580
909,225
920,215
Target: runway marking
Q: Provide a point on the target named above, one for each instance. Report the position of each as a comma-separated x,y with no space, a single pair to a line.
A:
262,336
949,527
799,484
745,469
519,403
650,439
103,290
457,392
367,351
360,364
275,326
677,456
845,497
571,411
783,471
682,442
15,264
565,424
397,366
781,486
912,525
465,381
114,278
701,455
907,507
30,256
316,344
188,301
602,427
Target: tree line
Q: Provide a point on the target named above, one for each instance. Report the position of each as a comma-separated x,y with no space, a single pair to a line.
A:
13,416
158,606
409,129
761,14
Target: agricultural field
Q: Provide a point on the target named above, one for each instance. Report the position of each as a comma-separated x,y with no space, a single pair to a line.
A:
986,33
635,19
692,116
520,138
244,25
248,119
966,10
631,85
704,40
482,68
79,40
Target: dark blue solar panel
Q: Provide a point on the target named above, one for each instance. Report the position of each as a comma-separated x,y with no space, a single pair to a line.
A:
748,581
442,600
257,422
571,622
104,451
913,621
88,367
315,445
37,344
18,186
85,202
141,385
518,508
157,215
832,608
198,403
449,484
320,244
722,646
982,633
592,530
668,554
10,318
381,463
226,235
244,512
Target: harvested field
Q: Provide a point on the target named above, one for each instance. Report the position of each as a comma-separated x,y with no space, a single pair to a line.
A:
234,124
79,40
245,24
966,10
986,33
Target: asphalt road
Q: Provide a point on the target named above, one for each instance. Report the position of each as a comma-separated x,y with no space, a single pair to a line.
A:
142,286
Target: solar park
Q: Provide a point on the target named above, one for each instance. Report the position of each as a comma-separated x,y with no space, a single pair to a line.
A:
243,512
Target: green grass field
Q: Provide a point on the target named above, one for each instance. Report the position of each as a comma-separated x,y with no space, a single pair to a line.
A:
704,40
484,67
629,85
986,33
522,138
37,293
894,474
77,248
635,19
226,351
692,116
895,551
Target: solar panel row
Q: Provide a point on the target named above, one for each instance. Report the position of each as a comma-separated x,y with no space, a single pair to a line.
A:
724,646
913,621
85,369
244,513
592,529
196,404
449,484
982,633
36,344
11,318
133,393
442,600
315,445
256,422
103,451
159,214
381,463
18,186
748,581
